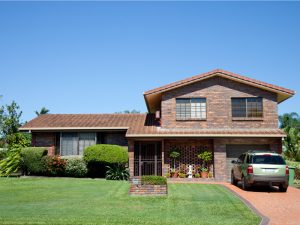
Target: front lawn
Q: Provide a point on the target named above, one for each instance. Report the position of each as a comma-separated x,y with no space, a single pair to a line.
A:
87,201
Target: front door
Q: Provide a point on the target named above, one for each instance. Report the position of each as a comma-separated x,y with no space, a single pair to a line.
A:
147,158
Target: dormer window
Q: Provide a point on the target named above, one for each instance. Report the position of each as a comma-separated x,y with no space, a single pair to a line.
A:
190,108
247,107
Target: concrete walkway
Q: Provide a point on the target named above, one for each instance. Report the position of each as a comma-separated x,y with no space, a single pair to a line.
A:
280,208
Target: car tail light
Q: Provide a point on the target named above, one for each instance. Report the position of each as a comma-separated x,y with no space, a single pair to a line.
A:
250,169
287,170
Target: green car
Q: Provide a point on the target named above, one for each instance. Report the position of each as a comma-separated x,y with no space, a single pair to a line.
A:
260,168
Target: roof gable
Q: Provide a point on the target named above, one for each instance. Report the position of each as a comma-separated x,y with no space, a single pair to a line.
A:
153,97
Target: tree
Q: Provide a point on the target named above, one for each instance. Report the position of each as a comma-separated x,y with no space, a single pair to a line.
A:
290,123
289,120
42,111
10,119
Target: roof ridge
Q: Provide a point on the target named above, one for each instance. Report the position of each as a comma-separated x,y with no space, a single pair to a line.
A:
213,72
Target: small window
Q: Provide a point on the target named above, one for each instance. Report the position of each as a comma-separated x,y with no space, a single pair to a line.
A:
190,108
247,107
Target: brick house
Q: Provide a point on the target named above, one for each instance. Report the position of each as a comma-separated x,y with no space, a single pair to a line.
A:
218,111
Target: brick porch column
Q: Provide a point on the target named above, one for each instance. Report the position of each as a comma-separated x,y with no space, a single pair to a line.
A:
220,160
131,157
51,151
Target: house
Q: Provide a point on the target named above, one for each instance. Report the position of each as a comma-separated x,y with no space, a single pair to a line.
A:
218,111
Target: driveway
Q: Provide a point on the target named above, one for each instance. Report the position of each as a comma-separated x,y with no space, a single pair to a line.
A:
280,208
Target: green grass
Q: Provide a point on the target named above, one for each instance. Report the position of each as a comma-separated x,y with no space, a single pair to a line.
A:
87,201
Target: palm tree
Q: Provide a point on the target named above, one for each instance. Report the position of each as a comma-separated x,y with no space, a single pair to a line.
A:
42,111
289,120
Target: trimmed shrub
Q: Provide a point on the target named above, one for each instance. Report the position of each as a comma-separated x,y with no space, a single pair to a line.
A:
75,167
117,172
154,180
32,159
98,157
108,154
54,165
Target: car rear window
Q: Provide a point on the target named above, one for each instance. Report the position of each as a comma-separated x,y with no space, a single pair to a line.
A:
268,159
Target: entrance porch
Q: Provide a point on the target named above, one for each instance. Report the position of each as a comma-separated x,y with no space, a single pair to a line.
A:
152,157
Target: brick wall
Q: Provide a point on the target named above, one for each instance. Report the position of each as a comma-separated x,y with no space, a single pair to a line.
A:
220,167
115,138
218,92
148,189
131,157
44,139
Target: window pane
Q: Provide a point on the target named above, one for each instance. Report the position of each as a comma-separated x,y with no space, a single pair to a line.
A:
192,108
238,107
69,144
254,106
85,140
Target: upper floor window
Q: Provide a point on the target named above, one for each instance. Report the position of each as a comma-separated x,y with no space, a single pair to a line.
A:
247,107
190,108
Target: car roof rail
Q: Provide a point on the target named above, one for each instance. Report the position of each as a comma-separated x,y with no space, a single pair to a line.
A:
261,151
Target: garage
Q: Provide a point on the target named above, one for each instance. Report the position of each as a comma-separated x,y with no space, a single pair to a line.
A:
234,151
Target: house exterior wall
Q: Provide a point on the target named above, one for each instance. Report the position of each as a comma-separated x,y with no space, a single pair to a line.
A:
220,167
218,92
44,139
189,149
115,138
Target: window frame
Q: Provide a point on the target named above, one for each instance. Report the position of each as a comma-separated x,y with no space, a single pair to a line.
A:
77,136
247,102
196,111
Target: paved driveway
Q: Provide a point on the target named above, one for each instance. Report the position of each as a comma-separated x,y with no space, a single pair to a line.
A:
280,208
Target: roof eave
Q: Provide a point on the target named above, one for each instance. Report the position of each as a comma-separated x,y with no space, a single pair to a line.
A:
205,135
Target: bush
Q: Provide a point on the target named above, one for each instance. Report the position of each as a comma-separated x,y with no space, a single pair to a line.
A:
75,167
12,163
181,175
117,172
98,157
32,159
107,154
154,180
197,175
54,165
3,152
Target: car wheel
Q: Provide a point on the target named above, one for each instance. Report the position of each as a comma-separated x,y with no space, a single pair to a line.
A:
245,184
282,188
233,180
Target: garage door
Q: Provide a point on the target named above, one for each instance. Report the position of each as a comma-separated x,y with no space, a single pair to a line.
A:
234,151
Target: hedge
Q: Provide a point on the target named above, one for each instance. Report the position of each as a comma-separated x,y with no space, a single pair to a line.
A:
154,180
32,159
106,154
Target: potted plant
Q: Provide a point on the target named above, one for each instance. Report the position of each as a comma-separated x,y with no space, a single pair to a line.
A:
174,173
197,175
182,175
204,172
174,154
206,157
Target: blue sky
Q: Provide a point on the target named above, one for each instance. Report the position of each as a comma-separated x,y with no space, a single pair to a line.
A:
99,57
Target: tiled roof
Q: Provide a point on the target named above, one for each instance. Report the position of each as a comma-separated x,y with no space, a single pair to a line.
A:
137,125
218,71
81,121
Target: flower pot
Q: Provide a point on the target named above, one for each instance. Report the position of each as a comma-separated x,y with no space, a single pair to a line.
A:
204,174
175,175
